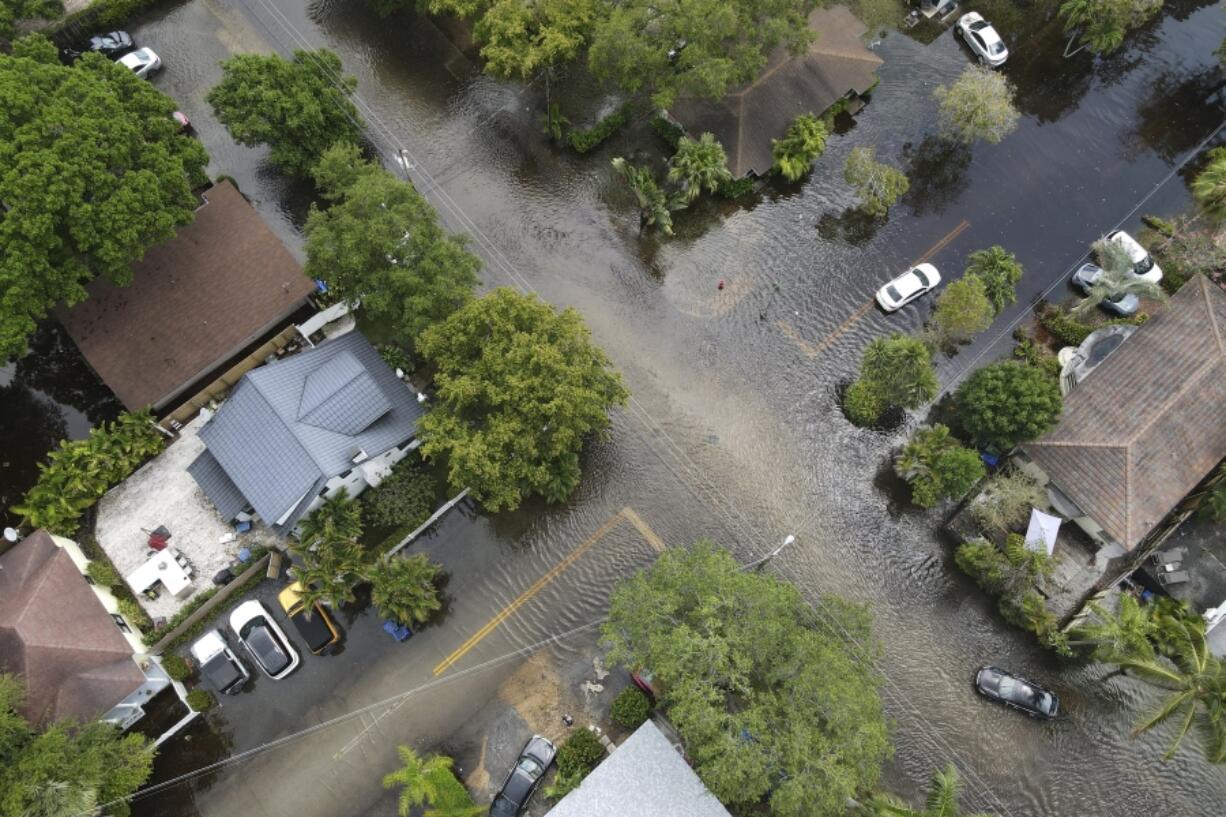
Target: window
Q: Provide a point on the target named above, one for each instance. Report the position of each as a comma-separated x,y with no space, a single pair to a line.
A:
120,623
87,578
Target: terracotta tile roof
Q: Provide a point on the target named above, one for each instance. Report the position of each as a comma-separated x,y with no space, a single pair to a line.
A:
55,633
746,120
194,301
1148,423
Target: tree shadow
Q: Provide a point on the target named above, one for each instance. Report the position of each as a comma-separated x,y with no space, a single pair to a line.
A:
936,168
853,227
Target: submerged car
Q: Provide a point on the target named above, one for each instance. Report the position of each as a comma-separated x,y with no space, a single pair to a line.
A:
315,626
1016,692
1143,265
524,778
112,45
142,62
979,35
219,666
1124,305
263,639
907,287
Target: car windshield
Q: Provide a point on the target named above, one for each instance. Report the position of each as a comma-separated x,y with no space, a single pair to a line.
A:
1020,692
530,766
979,25
923,279
892,291
996,48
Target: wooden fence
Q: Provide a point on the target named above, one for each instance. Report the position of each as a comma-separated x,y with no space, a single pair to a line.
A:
209,606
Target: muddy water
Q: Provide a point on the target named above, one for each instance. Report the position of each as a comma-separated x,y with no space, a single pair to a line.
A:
734,431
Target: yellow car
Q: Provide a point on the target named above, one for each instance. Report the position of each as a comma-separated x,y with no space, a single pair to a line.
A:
317,630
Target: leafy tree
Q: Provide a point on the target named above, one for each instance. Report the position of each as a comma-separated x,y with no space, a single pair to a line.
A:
701,48
1008,403
877,184
520,387
1102,24
65,769
894,371
942,801
332,561
380,242
404,500
577,756
863,403
1006,500
630,708
775,707
403,588
999,271
698,165
298,107
521,37
803,142
1125,632
1209,186
423,780
962,311
654,207
937,466
1116,279
1011,573
93,172
14,11
978,105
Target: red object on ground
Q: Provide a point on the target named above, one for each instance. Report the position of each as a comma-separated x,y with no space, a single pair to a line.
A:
158,542
721,285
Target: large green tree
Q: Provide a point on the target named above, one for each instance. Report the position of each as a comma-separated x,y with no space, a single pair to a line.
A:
403,588
1102,24
775,704
942,800
430,781
978,105
14,11
65,769
937,466
521,37
520,387
1008,403
878,185
93,171
1000,273
380,241
298,107
962,311
673,48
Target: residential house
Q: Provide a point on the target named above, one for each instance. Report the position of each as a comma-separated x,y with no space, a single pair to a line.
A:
223,284
296,431
834,67
646,777
65,637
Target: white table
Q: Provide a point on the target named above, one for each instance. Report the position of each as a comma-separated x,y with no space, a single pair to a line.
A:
161,567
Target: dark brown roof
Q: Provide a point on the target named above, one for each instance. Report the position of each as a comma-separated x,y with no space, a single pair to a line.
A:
1149,422
194,301
748,119
55,633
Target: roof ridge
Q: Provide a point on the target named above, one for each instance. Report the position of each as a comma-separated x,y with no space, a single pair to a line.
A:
273,410
1175,394
1072,444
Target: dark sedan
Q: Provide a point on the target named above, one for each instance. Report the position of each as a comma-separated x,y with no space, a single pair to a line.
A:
113,45
524,779
1016,692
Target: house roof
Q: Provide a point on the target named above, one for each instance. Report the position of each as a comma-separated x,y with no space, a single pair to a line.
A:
1149,422
645,777
747,119
194,301
55,633
291,425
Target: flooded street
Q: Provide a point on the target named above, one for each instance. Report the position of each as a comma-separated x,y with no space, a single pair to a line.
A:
734,431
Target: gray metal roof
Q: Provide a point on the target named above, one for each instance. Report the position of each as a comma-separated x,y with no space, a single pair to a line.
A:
217,485
644,777
292,424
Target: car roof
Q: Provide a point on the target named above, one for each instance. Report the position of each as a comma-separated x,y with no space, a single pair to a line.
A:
267,646
207,645
314,630
220,671
907,283
518,785
987,32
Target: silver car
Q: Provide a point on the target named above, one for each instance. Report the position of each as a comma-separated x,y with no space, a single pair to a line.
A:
142,62
982,39
1124,305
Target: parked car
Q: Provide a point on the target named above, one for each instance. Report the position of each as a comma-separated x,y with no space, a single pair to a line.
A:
979,35
1016,692
907,287
112,45
1124,305
142,62
263,639
219,666
1143,265
524,778
318,629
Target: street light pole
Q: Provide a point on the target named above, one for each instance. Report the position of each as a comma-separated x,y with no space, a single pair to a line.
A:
787,541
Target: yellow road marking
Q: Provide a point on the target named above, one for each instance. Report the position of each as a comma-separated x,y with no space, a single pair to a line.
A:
795,337
842,327
644,530
940,245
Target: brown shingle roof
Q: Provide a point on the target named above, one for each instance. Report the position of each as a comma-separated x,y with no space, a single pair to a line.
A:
194,301
748,119
55,633
1148,423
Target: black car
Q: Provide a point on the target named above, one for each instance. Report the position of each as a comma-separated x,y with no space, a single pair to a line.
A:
113,45
522,781
1017,692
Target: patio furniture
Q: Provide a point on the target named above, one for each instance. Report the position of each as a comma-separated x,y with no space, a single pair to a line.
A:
396,631
161,568
1175,577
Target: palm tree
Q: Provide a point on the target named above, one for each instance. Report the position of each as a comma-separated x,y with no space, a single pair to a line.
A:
653,204
420,779
1209,186
403,588
1127,632
329,571
338,518
1116,279
698,165
942,800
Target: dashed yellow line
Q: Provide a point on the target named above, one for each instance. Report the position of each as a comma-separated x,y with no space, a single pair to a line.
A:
940,245
657,544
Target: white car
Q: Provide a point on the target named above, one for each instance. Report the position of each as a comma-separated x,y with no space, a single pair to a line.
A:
264,640
142,62
219,666
982,39
1143,265
907,287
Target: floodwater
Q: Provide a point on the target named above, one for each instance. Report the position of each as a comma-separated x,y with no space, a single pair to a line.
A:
734,431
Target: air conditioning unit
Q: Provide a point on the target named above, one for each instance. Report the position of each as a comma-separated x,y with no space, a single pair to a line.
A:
359,455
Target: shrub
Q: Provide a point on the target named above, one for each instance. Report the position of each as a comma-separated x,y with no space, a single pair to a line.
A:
403,588
963,311
1008,403
1000,273
630,708
736,188
580,753
804,141
563,785
862,403
1035,354
894,371
937,466
131,610
176,667
584,141
983,562
1006,500
1064,327
200,700
405,499
878,185
1186,256
667,131
103,573
395,357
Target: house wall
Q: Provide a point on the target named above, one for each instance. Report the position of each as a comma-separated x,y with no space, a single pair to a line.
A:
366,474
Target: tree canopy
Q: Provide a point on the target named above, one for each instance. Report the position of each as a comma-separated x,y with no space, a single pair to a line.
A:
14,11
1000,273
894,371
520,386
962,311
65,769
937,466
878,185
774,705
1008,403
298,107
1102,24
978,105
795,153
698,165
93,171
674,48
520,37
380,242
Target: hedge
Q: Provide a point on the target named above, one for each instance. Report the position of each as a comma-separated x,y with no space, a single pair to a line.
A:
630,708
587,140
667,130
